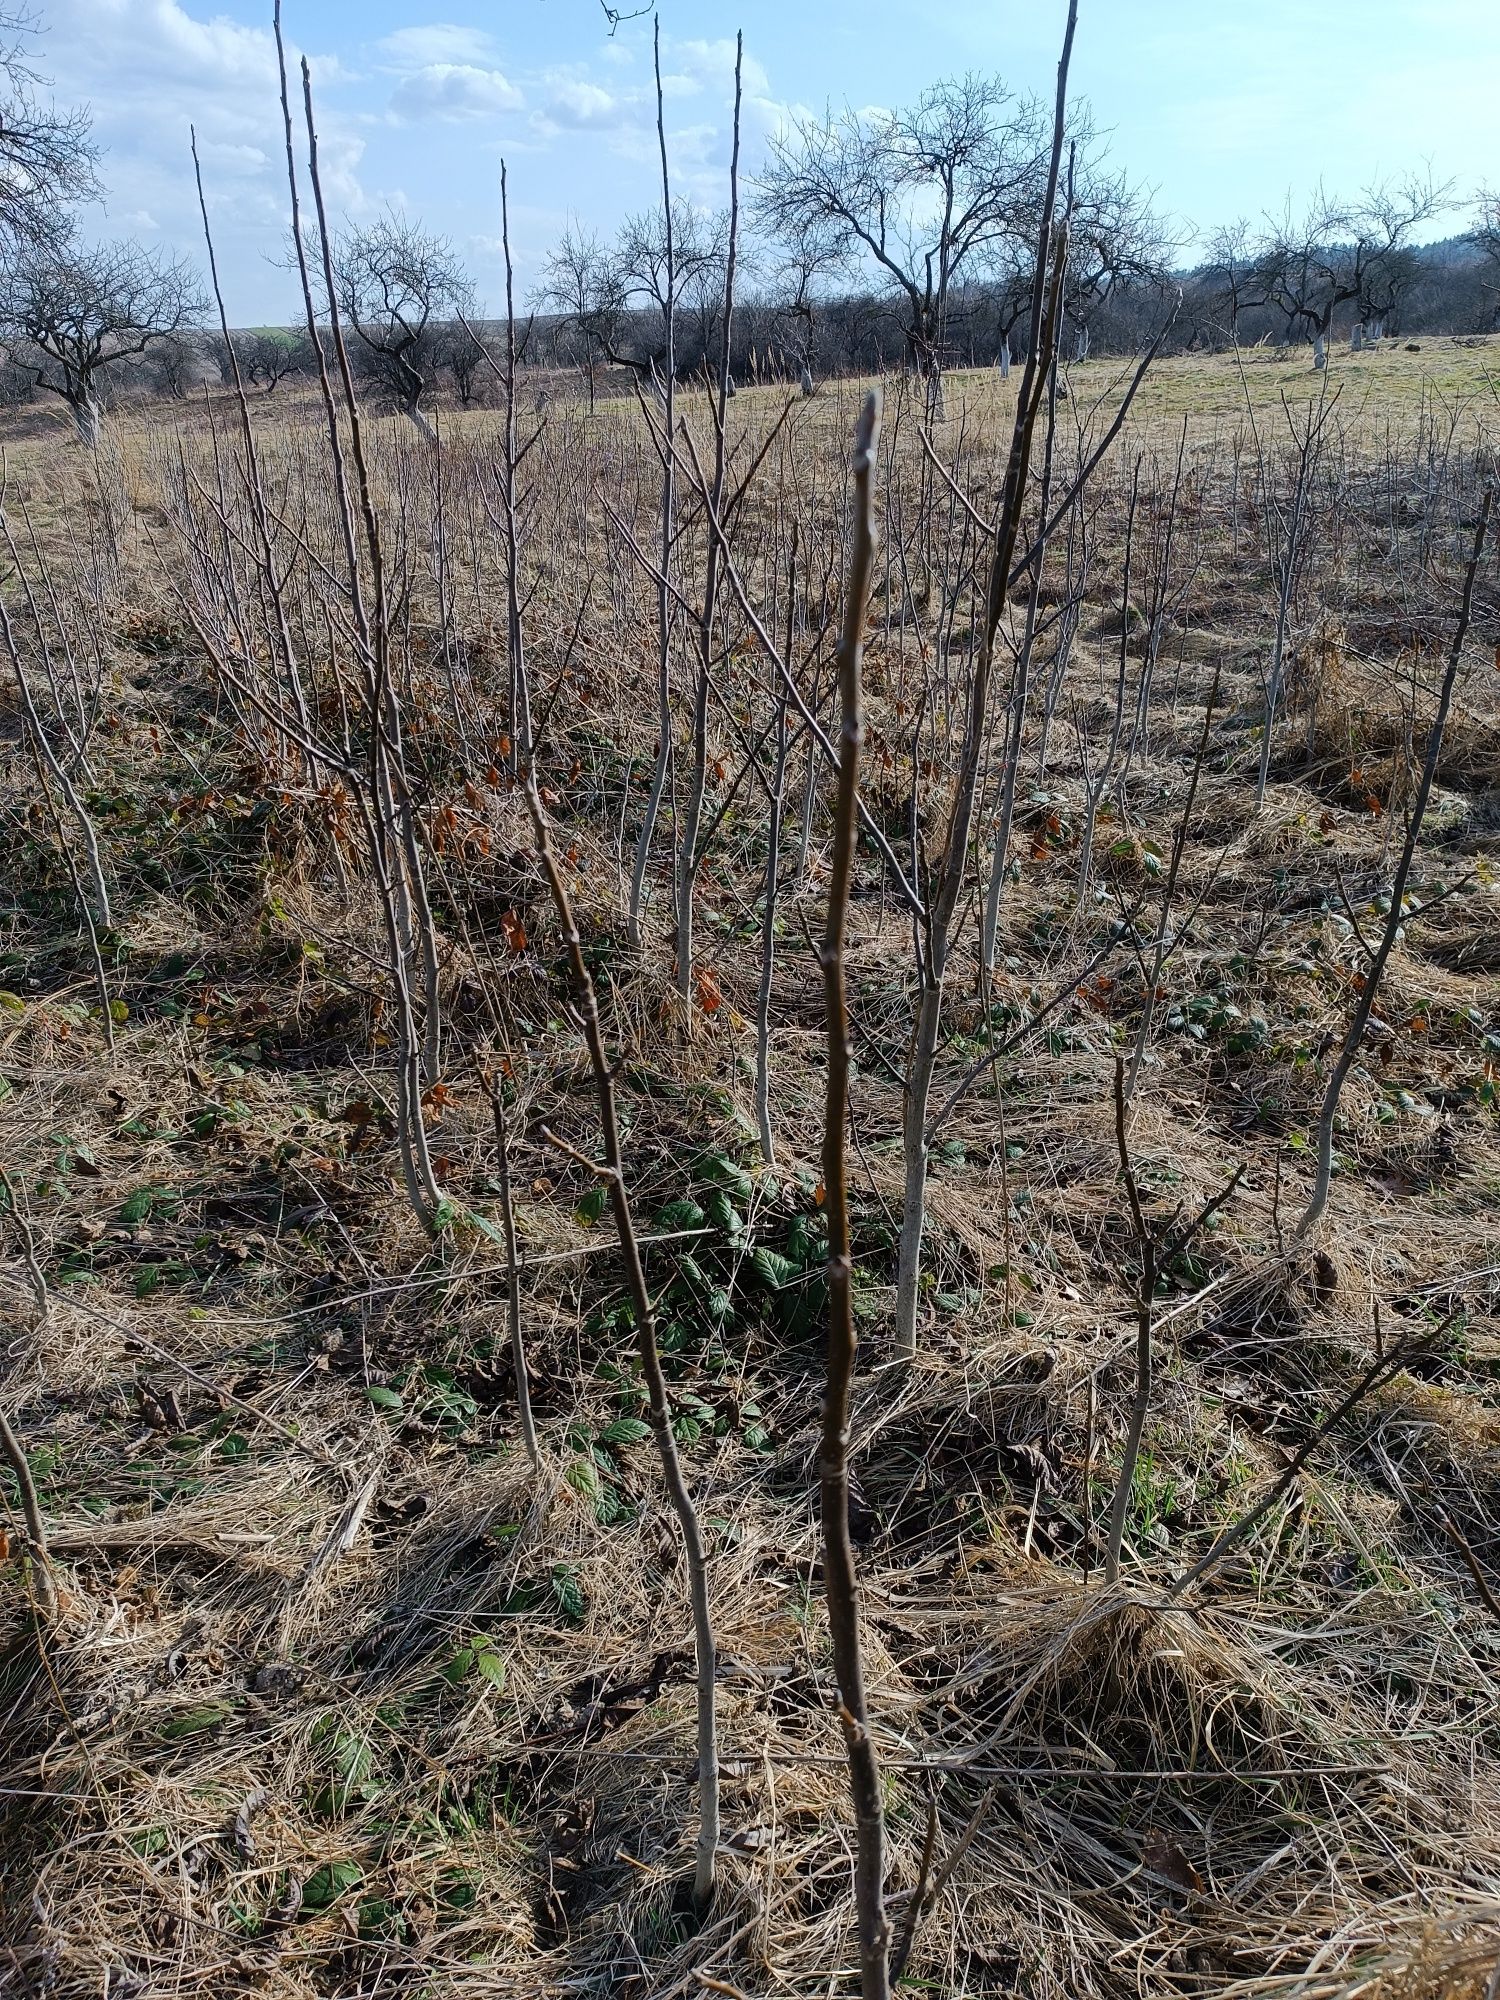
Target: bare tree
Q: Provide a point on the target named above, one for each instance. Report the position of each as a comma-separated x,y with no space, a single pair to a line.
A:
46,156
840,1582
1234,271
180,366
457,348
267,355
662,270
806,257
1345,253
582,284
1115,238
922,195
396,284
703,300
71,314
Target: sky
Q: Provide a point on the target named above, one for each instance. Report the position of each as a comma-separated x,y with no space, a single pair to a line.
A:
1224,108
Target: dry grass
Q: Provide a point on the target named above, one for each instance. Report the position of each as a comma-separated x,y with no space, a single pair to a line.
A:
455,1756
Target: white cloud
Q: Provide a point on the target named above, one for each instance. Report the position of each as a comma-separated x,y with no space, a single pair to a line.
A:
702,65
455,90
401,110
221,156
441,42
575,106
150,70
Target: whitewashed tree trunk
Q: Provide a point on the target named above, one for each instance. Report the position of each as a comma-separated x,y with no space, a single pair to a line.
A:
88,420
1320,352
1083,344
1357,340
1005,361
806,380
420,422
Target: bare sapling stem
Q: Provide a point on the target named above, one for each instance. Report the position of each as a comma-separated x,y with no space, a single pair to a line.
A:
1156,1254
1020,696
839,1580
382,795
1164,927
664,608
690,850
494,1089
57,769
1288,536
80,897
936,923
1146,1250
259,514
1359,1020
1095,784
1382,1369
585,1007
43,1584
768,948
520,680
773,888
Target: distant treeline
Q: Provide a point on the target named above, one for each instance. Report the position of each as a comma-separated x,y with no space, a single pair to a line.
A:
1453,288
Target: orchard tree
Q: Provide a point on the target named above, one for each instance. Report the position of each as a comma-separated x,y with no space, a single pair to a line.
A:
46,157
179,366
459,349
681,270
807,259
1234,273
921,197
71,314
1345,253
268,354
395,286
582,284
1115,240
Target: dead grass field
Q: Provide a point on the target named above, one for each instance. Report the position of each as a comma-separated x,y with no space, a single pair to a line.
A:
344,1698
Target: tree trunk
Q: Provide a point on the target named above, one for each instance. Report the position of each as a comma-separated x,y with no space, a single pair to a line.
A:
88,418
418,418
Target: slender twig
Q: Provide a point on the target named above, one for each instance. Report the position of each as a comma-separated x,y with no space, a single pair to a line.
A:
1471,1563
1163,934
27,1240
1359,1020
839,1581
1235,1533
918,1901
585,1002
1146,1250
43,1582
495,1091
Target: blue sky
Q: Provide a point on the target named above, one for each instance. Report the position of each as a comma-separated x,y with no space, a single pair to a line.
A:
1223,106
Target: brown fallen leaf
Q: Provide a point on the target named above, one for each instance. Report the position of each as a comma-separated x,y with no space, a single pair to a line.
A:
1161,1856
